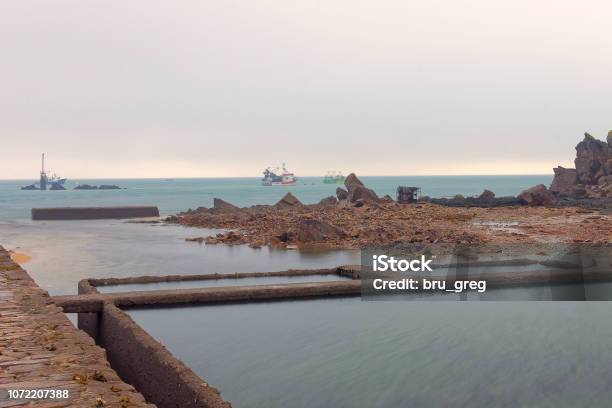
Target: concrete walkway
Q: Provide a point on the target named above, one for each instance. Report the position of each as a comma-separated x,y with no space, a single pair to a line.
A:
41,349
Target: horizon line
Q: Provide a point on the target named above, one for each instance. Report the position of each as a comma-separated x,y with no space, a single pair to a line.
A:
258,177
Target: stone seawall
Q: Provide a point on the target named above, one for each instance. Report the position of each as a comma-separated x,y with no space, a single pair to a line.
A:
94,213
41,349
145,362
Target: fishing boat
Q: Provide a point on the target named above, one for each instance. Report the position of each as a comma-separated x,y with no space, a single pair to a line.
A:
273,176
54,181
333,177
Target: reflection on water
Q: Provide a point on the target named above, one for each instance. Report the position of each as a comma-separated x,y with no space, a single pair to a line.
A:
64,252
349,353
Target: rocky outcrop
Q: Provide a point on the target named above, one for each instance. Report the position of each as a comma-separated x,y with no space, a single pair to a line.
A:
564,180
341,193
487,195
102,187
537,195
56,187
220,205
357,191
331,200
288,201
591,177
591,158
309,230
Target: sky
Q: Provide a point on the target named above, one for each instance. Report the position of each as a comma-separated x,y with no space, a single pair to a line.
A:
148,88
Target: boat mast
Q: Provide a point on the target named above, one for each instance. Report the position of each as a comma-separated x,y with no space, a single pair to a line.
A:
43,175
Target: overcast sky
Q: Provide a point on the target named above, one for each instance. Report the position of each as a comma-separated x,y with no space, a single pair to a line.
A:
205,88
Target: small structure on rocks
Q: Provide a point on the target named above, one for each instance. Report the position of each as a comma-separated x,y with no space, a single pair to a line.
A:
407,195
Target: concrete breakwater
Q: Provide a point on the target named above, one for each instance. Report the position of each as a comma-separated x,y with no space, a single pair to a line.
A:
92,213
41,350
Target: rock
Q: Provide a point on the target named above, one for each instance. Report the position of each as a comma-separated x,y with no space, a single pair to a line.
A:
609,138
364,194
220,205
56,186
591,156
387,198
331,200
604,180
352,181
109,187
578,191
30,187
357,191
564,180
85,187
537,195
288,201
458,197
341,193
487,195
195,239
316,231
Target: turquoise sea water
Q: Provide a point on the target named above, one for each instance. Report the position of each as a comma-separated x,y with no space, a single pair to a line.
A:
172,196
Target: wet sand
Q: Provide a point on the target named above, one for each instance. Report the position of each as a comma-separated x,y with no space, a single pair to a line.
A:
19,257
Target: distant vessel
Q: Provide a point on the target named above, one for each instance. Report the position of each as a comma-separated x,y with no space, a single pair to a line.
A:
54,180
333,177
272,178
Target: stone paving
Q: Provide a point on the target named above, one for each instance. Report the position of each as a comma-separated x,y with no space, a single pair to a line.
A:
41,349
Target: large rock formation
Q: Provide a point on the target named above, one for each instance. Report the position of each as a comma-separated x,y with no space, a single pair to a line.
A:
357,192
592,156
341,193
537,195
591,177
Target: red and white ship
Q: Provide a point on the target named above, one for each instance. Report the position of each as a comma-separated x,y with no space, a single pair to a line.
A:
273,178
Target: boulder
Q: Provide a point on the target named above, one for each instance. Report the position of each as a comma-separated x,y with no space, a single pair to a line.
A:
288,201
341,193
309,230
220,205
537,195
458,197
487,195
591,156
85,187
364,194
387,198
564,180
109,187
329,201
352,181
357,191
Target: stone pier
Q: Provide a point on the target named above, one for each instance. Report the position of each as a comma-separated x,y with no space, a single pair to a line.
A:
40,349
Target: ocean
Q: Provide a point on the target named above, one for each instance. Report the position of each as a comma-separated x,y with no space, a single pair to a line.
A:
320,353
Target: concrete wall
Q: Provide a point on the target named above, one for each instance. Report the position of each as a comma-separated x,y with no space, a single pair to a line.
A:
144,362
92,213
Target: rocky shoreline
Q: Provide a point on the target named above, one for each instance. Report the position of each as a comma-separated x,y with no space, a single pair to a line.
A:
357,217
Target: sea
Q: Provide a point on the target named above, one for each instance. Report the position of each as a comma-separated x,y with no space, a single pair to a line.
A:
327,352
